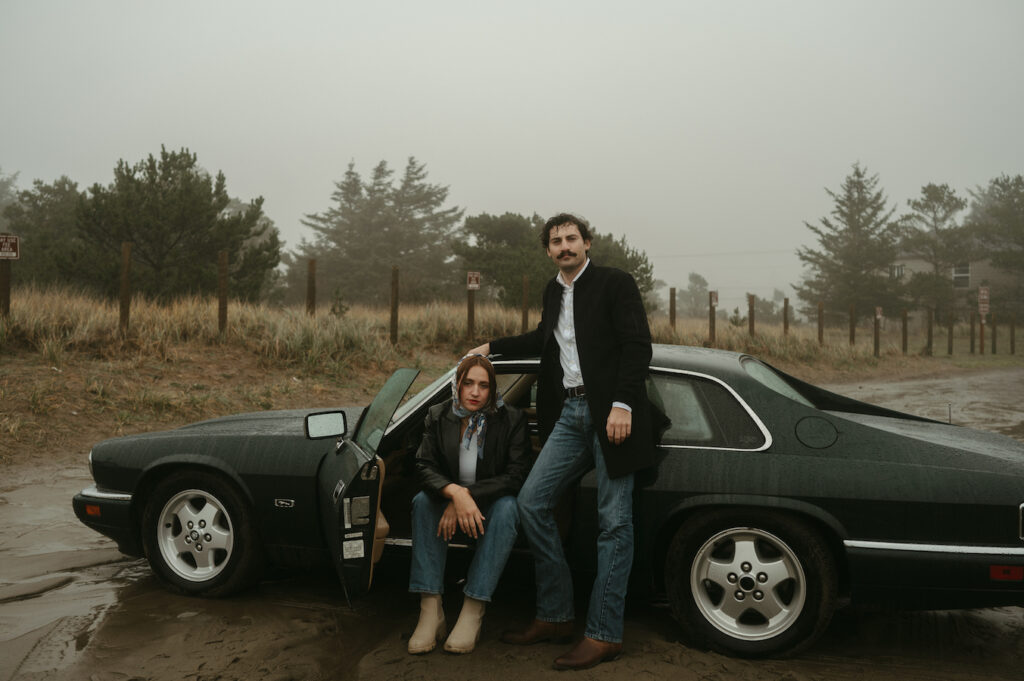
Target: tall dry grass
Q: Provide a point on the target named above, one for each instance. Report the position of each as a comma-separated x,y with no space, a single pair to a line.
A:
55,322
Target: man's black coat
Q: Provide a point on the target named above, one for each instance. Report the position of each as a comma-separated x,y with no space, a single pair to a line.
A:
614,345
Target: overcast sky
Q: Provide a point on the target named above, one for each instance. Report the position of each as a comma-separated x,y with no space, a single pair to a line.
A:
706,132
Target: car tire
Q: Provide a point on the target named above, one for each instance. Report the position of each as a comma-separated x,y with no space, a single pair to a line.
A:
199,536
750,583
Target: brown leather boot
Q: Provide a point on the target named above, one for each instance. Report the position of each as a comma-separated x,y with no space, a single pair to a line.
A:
587,653
538,631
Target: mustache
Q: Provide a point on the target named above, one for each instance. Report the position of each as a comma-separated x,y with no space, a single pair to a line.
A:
565,253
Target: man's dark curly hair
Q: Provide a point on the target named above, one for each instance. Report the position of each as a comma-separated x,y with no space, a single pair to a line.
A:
564,219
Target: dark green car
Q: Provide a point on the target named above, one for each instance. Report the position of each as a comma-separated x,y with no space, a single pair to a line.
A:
774,499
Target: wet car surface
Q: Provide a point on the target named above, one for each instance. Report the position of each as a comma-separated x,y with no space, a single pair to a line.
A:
72,607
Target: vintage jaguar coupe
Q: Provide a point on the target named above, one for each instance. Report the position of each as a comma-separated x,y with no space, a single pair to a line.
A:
774,500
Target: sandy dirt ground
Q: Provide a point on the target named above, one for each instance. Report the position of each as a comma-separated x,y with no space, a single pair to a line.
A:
73,608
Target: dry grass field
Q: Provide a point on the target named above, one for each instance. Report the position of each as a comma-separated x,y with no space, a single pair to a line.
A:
69,377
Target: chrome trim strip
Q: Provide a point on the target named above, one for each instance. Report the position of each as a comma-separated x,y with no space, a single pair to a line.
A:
1020,528
934,548
106,496
407,543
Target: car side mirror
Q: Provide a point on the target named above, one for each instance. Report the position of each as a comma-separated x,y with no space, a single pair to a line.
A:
325,424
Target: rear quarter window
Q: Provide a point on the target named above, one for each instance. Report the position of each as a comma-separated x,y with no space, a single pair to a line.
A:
703,413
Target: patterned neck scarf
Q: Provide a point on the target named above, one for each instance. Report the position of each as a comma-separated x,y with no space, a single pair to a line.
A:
477,419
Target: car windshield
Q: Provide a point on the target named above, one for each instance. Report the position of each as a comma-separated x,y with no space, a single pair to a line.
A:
769,378
418,398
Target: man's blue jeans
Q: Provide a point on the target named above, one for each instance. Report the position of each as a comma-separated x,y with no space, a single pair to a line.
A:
571,450
501,519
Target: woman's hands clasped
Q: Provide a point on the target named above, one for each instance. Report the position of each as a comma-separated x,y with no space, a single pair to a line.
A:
461,513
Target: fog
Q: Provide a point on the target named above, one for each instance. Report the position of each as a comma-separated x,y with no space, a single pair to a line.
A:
705,132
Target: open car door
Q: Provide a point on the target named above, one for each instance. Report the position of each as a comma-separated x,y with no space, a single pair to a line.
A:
349,486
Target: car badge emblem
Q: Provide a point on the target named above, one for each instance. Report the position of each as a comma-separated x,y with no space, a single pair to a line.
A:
284,503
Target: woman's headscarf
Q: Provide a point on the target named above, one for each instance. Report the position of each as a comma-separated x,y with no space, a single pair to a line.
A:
477,419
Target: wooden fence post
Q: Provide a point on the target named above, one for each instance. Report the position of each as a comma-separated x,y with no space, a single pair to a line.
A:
126,285
750,313
222,292
981,335
311,287
672,307
877,322
821,323
853,325
5,288
526,302
711,319
394,305
949,336
903,331
931,324
785,316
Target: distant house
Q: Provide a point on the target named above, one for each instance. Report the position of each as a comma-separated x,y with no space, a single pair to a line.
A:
1005,288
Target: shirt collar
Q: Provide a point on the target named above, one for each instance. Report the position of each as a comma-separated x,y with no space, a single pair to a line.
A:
558,277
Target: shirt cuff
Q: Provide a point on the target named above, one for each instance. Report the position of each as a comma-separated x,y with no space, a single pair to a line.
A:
623,405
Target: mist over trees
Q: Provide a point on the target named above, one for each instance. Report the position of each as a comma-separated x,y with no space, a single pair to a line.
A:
176,216
930,232
861,242
45,220
855,244
504,248
8,192
996,219
372,225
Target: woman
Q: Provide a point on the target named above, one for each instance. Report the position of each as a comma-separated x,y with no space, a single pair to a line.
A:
473,459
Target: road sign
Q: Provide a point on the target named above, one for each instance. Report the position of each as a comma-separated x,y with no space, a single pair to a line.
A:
9,247
878,313
473,281
983,294
714,298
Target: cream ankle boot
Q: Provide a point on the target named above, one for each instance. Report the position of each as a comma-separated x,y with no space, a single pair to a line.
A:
466,632
430,629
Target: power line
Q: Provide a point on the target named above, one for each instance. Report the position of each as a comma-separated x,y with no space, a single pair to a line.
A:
720,254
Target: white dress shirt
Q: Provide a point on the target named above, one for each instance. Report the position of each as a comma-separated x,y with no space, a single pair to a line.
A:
565,334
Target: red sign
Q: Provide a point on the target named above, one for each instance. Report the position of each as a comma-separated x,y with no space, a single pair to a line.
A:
714,298
8,247
473,281
983,294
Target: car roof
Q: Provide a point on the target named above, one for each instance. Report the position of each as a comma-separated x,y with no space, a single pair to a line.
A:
690,358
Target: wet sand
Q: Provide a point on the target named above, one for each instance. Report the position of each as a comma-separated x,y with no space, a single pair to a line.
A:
72,607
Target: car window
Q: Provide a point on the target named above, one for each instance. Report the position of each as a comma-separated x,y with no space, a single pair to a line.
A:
767,377
417,400
703,413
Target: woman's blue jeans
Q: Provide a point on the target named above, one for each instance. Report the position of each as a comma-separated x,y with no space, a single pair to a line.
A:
501,521
571,450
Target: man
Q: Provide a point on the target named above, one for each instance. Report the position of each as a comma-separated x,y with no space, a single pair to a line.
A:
595,347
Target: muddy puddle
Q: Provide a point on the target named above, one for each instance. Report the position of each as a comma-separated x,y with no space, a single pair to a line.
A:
72,607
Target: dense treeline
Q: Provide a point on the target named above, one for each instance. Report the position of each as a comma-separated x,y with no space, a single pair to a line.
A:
178,217
934,256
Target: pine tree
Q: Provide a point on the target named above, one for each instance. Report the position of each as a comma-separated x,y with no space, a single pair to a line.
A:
930,233
857,245
374,225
